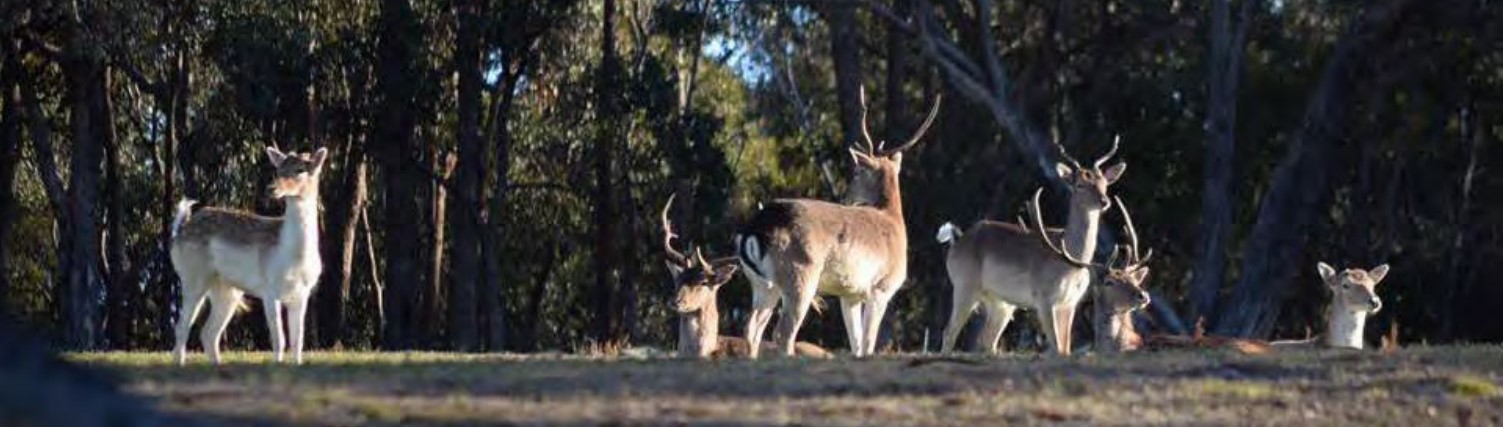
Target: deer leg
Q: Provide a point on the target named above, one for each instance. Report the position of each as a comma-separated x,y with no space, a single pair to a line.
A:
273,309
806,284
998,316
763,302
963,301
850,310
875,309
1046,323
189,304
296,310
1064,322
222,303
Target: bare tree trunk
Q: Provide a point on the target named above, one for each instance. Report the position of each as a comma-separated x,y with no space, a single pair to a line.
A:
173,99
845,52
10,153
465,271
1301,183
85,75
121,294
1223,78
604,298
1474,135
400,39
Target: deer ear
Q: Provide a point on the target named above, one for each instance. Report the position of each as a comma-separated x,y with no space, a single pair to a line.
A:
1063,170
1326,272
724,273
276,156
319,157
1115,172
1377,273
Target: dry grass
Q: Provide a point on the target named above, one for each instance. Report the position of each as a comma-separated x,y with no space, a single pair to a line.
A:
1416,386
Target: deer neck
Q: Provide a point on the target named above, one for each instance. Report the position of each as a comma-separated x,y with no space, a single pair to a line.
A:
1344,326
1115,331
1080,232
699,332
299,234
892,198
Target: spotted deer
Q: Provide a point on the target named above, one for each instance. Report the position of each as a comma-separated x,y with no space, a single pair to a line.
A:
697,283
221,254
1002,266
791,250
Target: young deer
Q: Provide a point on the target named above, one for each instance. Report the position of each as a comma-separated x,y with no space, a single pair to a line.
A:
1354,296
221,254
698,284
793,249
1001,266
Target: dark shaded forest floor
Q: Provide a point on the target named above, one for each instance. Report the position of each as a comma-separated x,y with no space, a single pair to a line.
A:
1416,386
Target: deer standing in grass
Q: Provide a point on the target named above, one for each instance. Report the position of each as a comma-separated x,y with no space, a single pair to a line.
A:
697,283
1120,293
1001,266
793,249
222,254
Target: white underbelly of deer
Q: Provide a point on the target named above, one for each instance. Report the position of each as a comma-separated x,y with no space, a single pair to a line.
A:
1001,283
851,276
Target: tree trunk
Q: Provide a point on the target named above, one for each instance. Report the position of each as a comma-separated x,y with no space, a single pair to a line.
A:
845,52
10,153
85,75
1223,78
122,292
1300,184
398,71
603,299
465,261
433,311
333,292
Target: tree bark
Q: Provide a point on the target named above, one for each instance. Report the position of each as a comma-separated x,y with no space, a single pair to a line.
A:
1300,184
121,294
1224,75
85,76
465,261
398,71
845,53
604,298
10,154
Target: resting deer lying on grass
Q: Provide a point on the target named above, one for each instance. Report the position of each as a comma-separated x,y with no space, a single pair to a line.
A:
1001,266
795,249
698,284
1354,297
222,254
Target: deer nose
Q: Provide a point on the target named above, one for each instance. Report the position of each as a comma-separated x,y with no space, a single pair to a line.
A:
1144,299
1376,304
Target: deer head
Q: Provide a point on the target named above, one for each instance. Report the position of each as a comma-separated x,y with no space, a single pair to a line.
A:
1122,285
1354,289
1088,185
876,165
296,174
697,281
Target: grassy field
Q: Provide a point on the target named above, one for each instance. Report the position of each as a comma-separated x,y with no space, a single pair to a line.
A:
1415,386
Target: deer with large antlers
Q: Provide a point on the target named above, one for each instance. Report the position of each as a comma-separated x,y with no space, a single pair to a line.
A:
1001,266
1121,290
697,284
222,254
795,249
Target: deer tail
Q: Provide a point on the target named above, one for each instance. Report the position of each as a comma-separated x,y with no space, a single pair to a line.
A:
948,233
180,216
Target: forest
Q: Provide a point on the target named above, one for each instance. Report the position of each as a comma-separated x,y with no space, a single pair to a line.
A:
496,168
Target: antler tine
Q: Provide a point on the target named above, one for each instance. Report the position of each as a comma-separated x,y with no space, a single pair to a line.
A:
700,259
871,146
1116,140
922,129
674,256
1065,154
1132,233
1038,221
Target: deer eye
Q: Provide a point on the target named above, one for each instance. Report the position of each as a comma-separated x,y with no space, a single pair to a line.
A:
1346,285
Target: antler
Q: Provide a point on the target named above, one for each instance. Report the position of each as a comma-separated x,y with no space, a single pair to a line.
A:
1109,153
674,256
871,147
1132,236
919,134
1038,221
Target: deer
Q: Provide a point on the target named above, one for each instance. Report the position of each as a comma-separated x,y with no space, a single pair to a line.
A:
1000,267
697,285
1121,291
221,254
792,250
1354,297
